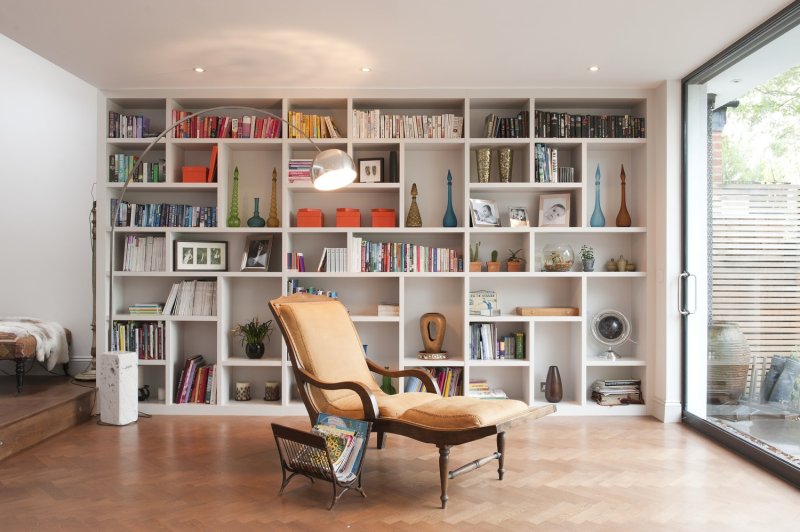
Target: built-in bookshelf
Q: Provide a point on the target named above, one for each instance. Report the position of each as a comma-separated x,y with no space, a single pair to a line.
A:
410,270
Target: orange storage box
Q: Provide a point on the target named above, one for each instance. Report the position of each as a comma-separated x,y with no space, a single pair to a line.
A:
309,218
383,218
348,217
194,174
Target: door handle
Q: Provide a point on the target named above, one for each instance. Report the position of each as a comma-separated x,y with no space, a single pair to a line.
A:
682,282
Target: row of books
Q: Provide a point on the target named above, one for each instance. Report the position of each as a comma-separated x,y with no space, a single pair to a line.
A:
333,260
612,392
192,298
225,127
146,338
197,382
376,125
144,254
345,441
120,166
295,262
565,125
313,126
293,287
299,170
486,344
402,257
479,388
507,127
163,215
448,379
546,165
122,126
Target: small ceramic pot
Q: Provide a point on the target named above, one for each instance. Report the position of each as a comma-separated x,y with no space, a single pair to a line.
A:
242,391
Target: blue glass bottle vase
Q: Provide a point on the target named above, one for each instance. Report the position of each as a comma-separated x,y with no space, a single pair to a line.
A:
597,219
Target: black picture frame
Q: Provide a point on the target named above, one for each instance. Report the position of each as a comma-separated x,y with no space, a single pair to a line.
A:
192,256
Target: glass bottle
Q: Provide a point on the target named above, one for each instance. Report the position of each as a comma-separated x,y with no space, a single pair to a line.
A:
233,211
386,386
450,219
256,220
597,219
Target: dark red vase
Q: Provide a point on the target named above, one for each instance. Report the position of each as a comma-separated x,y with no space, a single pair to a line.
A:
553,390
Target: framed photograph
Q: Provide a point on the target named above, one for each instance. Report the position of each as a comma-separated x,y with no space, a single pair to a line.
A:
201,256
484,213
256,253
554,210
370,170
518,216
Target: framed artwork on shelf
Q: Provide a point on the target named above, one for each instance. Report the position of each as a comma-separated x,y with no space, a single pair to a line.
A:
518,216
370,170
484,213
201,256
256,253
554,210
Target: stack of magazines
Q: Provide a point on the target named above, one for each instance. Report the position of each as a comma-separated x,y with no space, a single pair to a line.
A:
345,440
611,392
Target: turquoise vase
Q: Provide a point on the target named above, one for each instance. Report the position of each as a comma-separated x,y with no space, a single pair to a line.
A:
256,220
450,219
597,219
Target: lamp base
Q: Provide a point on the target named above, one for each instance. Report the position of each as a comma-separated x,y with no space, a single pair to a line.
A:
610,355
89,374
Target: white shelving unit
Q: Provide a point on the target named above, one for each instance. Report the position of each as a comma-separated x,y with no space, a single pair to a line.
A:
394,341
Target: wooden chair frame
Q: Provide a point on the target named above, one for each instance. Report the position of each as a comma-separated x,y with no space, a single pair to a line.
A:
444,439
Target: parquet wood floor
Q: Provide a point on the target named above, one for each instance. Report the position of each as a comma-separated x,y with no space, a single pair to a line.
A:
222,473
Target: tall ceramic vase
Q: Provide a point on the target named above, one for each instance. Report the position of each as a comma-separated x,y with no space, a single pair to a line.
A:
623,217
449,219
553,390
597,219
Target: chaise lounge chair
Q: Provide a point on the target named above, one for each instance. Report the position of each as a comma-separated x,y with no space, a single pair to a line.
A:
334,377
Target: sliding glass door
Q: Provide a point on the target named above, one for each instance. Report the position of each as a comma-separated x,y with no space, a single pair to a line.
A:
741,283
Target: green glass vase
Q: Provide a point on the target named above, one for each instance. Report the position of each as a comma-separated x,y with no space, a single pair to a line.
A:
233,210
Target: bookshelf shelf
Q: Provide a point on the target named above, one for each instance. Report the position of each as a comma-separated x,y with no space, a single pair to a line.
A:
393,340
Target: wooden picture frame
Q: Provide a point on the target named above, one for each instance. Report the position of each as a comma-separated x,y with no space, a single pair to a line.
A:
518,217
370,170
554,210
193,256
257,250
484,213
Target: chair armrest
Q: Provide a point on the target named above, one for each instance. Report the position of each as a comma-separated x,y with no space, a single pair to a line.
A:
421,374
368,401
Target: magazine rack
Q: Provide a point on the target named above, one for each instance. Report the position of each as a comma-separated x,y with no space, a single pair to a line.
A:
304,453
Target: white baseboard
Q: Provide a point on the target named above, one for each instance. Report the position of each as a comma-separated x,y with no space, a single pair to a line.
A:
667,412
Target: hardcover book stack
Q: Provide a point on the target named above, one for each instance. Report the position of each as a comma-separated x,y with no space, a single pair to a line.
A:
312,126
163,215
402,257
509,128
122,126
224,127
299,170
197,382
611,392
146,338
565,125
479,389
120,166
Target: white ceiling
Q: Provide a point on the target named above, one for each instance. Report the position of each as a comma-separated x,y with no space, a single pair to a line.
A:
115,44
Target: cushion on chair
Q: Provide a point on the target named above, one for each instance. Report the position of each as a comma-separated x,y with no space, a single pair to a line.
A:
463,412
389,406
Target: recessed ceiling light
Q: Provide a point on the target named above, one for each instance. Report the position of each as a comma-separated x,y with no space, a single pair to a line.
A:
594,68
366,69
199,70
736,80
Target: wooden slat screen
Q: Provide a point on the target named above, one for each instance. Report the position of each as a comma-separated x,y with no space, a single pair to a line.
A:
755,266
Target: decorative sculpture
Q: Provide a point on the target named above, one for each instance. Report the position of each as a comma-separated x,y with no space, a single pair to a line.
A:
432,339
256,220
623,217
273,220
450,219
233,209
597,219
414,219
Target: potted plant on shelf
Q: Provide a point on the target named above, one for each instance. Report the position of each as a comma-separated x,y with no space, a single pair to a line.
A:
514,261
587,258
493,265
252,334
474,259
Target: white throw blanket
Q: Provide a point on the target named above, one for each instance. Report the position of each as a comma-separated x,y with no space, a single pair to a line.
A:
51,340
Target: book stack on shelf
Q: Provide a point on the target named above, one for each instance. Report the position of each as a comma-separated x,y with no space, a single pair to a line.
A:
144,254
403,257
479,388
163,215
299,170
295,262
223,127
448,379
374,125
333,260
197,382
124,126
485,344
312,126
565,125
146,338
508,128
345,440
120,165
192,298
385,309
146,309
612,392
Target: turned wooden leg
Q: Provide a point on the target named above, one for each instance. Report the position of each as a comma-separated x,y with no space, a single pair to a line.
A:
501,449
444,458
381,439
20,373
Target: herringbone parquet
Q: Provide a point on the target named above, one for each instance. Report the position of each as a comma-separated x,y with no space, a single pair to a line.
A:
222,473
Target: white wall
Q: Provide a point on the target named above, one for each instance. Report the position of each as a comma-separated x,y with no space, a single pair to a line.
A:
48,142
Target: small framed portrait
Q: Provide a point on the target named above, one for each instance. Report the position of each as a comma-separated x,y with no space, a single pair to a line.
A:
370,170
484,213
518,216
554,210
256,253
200,256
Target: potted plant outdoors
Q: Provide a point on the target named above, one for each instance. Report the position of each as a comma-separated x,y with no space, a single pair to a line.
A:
514,261
252,334
474,260
493,265
587,258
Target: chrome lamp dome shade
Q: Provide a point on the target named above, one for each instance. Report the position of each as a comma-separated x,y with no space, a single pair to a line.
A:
332,169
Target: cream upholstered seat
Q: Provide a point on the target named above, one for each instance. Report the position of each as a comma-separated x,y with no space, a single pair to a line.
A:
335,377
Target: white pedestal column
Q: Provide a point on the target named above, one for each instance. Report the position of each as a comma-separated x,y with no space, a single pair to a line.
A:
117,378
